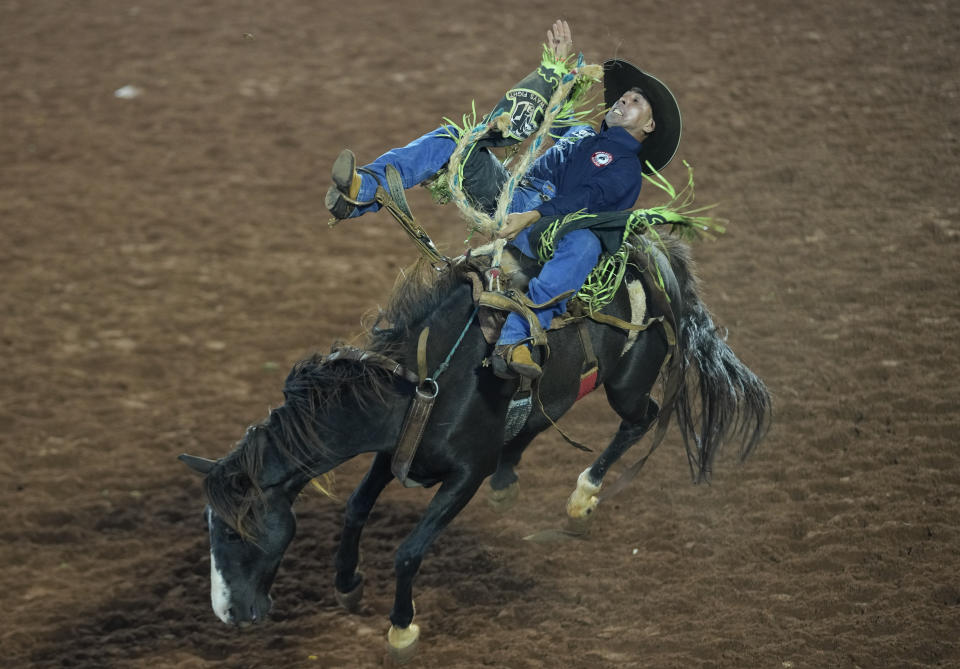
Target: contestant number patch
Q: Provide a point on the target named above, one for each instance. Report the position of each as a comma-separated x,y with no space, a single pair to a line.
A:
601,158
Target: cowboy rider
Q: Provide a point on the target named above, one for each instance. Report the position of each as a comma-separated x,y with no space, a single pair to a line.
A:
585,170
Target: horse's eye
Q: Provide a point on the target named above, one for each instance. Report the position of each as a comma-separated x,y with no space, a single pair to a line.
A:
231,536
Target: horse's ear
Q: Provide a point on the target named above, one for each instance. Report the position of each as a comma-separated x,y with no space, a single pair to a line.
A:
200,465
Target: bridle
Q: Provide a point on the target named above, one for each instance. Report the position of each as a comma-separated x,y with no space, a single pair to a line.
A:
378,359
424,395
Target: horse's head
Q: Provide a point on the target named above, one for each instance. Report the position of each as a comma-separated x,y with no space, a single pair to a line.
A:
334,409
248,538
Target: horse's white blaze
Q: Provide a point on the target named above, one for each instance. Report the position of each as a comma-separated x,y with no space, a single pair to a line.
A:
219,592
583,500
638,310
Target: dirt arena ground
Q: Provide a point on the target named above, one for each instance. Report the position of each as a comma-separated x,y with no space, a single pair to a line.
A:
165,259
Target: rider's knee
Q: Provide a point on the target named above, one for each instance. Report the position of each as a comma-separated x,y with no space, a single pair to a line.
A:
583,243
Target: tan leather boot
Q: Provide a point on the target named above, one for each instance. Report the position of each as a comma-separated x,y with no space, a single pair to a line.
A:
341,198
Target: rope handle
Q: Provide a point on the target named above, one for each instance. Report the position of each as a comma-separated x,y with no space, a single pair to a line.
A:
479,220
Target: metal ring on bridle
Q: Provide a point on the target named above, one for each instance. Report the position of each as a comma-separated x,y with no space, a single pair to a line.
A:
429,381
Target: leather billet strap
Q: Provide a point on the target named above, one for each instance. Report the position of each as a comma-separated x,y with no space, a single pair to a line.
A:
589,356
422,354
418,414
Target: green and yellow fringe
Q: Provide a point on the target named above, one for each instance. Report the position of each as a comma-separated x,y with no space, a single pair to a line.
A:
641,227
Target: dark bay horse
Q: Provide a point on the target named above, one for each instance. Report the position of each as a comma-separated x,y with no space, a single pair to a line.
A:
355,401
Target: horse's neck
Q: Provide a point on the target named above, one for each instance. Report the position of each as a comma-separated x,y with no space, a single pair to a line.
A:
367,429
345,432
448,321
277,467
355,427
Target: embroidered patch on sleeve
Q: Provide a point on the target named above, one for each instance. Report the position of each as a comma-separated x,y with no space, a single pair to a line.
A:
526,112
601,158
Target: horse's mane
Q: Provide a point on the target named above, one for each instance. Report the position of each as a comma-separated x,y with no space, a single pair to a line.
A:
231,487
298,429
417,293
316,387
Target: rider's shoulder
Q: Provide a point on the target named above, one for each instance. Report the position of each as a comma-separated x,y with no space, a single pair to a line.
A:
575,133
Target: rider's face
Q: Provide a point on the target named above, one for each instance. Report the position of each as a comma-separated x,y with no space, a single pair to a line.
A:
633,113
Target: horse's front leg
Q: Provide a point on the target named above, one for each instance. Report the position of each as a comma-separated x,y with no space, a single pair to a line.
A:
349,581
453,495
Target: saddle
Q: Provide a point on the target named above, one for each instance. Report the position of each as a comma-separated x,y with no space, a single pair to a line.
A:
505,291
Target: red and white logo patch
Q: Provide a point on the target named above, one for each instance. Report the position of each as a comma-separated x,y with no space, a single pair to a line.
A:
601,158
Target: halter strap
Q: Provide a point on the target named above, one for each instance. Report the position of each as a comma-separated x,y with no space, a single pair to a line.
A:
382,361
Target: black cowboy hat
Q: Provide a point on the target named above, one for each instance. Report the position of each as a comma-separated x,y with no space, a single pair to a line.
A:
619,76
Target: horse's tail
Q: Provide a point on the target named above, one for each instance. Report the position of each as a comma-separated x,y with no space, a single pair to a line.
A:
720,399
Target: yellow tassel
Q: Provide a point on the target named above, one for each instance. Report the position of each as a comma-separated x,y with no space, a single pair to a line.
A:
325,488
594,72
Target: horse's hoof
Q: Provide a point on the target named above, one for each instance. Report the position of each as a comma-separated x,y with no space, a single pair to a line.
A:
583,500
351,600
503,500
578,527
402,643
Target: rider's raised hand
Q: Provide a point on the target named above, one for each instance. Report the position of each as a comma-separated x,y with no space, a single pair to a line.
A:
559,40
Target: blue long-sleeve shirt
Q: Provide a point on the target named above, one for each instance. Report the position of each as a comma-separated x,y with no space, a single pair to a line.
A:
588,170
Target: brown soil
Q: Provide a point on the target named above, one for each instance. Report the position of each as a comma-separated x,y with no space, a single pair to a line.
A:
165,259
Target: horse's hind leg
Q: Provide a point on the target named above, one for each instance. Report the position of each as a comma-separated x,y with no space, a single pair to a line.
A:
349,581
504,488
628,392
583,501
